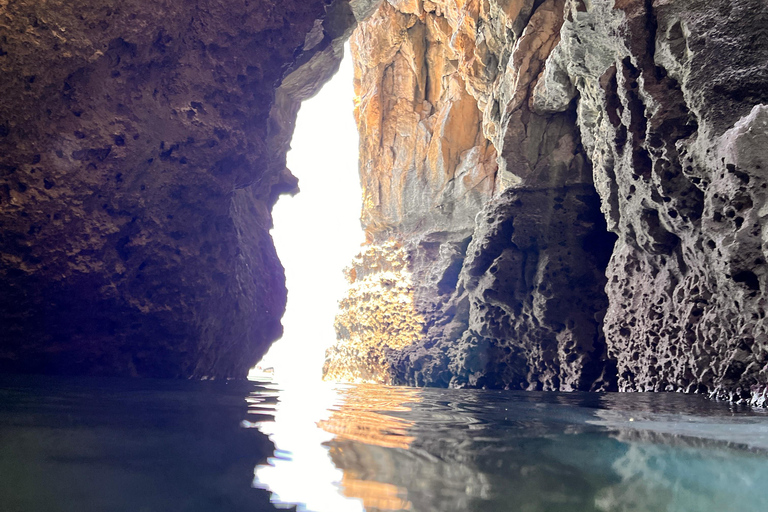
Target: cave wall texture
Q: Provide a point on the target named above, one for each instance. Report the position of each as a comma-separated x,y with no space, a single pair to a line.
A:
562,194
142,146
558,194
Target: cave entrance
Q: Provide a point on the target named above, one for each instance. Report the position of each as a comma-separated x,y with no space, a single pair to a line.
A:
317,232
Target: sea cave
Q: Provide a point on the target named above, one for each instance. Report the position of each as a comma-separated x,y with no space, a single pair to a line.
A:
562,253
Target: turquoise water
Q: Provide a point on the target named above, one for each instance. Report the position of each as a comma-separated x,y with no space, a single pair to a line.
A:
102,445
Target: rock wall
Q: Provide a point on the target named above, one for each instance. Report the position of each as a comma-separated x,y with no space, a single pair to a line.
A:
377,312
651,113
142,145
558,194
672,112
444,142
526,307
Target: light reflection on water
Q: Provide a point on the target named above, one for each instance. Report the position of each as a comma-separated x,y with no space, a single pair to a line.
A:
311,422
301,472
104,445
392,449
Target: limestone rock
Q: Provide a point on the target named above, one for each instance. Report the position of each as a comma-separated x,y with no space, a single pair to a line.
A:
670,114
421,144
142,146
661,107
444,91
528,304
377,315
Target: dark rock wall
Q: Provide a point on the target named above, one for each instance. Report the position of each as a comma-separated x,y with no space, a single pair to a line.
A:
528,304
142,145
670,113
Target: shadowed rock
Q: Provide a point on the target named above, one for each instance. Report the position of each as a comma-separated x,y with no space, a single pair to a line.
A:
142,146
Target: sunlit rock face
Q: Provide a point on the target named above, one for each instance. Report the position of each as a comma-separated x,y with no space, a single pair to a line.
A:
376,315
656,108
422,145
450,126
142,145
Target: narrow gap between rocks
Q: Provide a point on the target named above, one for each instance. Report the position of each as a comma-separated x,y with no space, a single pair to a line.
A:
317,232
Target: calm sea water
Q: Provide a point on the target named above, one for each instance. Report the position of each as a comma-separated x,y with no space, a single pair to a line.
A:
144,446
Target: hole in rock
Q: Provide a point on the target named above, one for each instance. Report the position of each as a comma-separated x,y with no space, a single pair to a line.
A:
316,232
749,279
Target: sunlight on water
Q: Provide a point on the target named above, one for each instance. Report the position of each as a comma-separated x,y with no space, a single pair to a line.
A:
301,471
380,448
317,232
102,445
307,428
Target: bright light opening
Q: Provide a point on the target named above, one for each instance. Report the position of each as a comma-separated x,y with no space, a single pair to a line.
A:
317,232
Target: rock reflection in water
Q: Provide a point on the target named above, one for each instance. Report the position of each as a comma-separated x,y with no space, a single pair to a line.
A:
365,418
428,450
366,415
101,445
453,460
114,445
696,476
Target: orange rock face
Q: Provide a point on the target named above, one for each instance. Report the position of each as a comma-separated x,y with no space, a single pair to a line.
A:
448,119
422,145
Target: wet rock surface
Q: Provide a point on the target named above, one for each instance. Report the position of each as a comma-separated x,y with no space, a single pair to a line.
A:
141,149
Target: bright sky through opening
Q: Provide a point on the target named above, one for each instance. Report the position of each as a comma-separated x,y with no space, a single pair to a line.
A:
317,232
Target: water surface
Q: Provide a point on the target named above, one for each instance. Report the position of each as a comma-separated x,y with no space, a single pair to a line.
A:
103,445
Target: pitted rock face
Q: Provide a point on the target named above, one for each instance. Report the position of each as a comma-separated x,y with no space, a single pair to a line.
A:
528,305
377,315
662,103
141,150
670,114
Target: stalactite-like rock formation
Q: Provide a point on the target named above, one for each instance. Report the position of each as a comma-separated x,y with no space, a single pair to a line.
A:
639,122
142,145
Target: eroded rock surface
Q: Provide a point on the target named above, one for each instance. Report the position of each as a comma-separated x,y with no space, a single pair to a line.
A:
672,112
456,125
659,107
377,315
528,304
142,146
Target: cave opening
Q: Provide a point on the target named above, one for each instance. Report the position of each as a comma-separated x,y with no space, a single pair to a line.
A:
317,231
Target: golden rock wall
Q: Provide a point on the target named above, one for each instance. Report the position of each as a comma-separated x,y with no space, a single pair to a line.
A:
378,314
450,114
